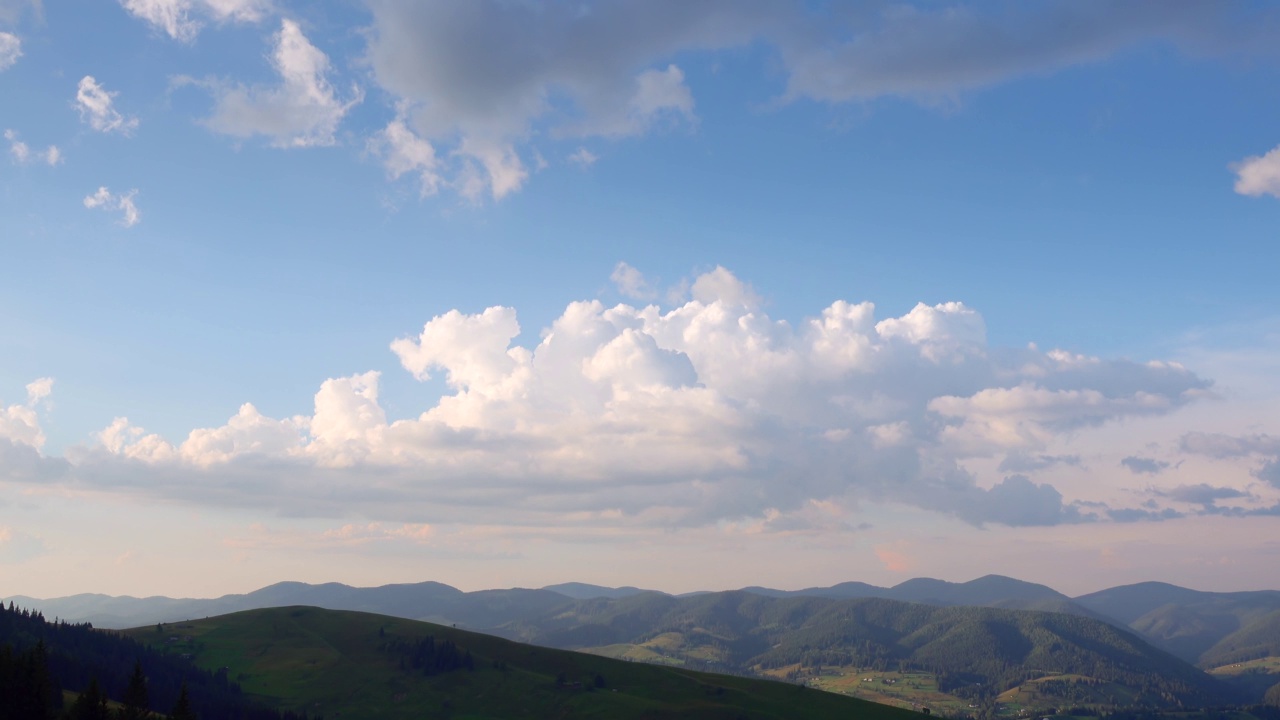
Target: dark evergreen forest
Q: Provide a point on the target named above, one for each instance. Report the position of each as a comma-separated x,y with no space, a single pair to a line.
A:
40,658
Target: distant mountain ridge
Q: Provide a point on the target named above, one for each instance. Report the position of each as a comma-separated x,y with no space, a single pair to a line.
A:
1207,628
1204,628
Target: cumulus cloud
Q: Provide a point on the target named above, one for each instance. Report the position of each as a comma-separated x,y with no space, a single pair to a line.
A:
1144,465
1015,501
705,412
96,106
301,111
10,50
23,154
104,199
181,19
1259,175
20,423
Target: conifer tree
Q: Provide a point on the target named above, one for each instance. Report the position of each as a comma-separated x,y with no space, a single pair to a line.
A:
39,700
135,702
182,709
92,704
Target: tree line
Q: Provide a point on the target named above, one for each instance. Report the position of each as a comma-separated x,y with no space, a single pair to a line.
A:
40,658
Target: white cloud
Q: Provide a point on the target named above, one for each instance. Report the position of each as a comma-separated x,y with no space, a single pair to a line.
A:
583,158
178,18
39,390
104,199
658,92
402,152
95,106
705,412
171,16
302,111
631,283
23,154
238,10
10,50
20,423
1259,175
489,164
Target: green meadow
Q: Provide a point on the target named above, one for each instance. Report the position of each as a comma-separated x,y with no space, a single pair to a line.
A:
345,664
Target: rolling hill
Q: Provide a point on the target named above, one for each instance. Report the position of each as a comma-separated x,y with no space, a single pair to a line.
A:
360,665
975,651
1206,628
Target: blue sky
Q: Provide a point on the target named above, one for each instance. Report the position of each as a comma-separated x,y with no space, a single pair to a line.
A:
379,228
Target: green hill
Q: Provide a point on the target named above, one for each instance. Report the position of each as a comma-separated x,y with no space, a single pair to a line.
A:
974,652
372,666
1207,628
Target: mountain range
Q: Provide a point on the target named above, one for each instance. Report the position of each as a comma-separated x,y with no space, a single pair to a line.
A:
994,630
1203,628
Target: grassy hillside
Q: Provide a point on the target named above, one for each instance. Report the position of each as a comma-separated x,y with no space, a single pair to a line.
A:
974,652
1258,638
1254,677
1206,628
372,666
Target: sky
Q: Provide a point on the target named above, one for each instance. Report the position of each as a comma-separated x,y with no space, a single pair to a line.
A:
681,294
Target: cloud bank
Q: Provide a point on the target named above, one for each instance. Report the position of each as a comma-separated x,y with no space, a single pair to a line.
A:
705,412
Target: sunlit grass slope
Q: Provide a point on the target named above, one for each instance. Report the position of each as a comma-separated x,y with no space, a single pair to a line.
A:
331,662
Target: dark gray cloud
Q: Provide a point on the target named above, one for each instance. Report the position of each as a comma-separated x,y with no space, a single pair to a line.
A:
1015,501
934,50
1226,447
1020,462
1144,465
1221,447
485,76
1269,472
1128,515
1201,494
23,463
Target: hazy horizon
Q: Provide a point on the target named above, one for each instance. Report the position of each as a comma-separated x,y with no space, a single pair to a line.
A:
678,295
657,589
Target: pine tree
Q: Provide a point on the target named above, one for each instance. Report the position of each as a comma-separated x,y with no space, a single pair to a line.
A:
92,704
40,690
182,709
135,702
